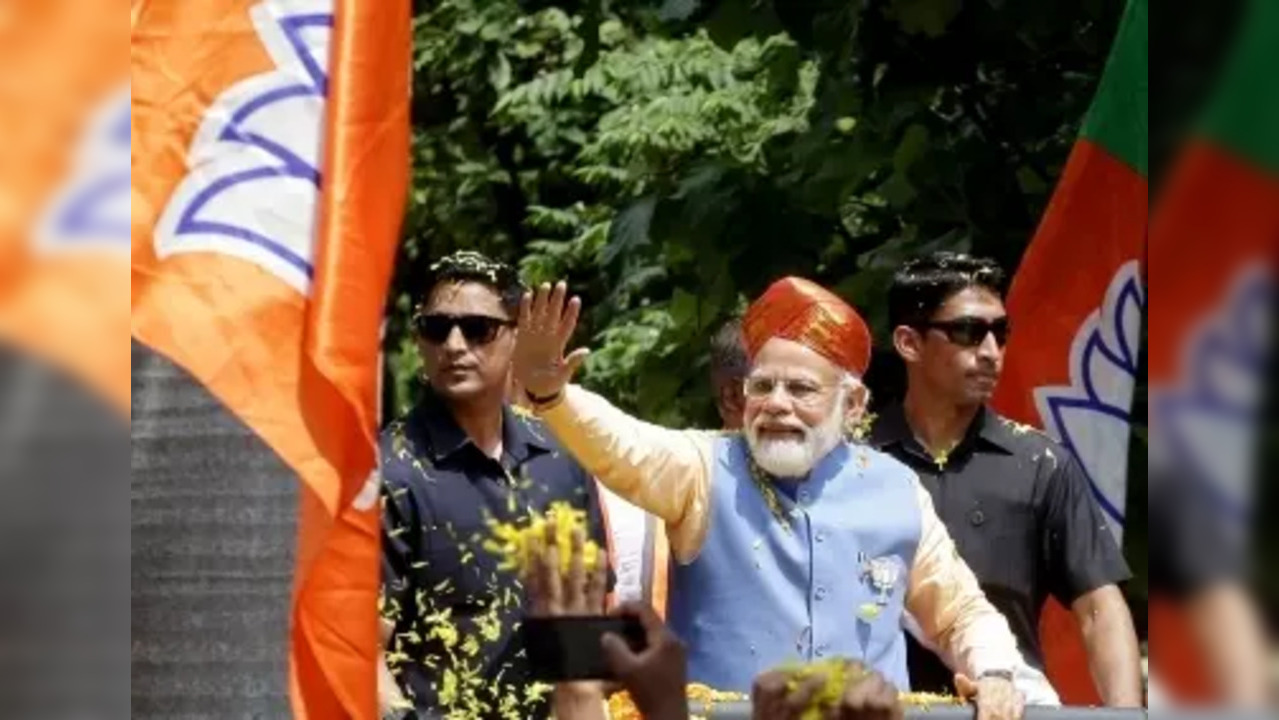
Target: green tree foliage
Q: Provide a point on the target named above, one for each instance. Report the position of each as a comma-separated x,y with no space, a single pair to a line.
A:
671,158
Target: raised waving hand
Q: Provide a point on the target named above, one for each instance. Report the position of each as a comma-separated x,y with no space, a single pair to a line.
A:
547,320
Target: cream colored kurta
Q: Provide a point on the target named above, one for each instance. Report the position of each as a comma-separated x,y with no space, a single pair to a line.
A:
668,473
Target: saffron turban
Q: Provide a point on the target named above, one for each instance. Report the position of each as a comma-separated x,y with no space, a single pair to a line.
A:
804,312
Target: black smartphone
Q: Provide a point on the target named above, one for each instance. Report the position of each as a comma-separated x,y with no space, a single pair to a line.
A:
568,647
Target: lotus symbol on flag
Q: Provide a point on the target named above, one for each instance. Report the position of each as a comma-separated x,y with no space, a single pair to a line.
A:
1090,417
1207,419
93,207
254,178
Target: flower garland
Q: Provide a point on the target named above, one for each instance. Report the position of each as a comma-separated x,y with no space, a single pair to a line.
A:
704,698
764,483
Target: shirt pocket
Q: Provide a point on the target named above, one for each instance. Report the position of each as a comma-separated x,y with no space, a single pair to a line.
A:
1011,542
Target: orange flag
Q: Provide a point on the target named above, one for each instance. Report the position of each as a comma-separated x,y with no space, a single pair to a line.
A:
1076,304
64,179
1213,243
270,164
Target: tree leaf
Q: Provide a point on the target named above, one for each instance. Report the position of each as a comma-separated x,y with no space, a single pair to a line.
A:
897,190
500,73
684,309
629,230
677,10
929,17
913,147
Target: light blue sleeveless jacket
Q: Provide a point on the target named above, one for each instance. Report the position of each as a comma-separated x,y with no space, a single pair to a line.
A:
759,595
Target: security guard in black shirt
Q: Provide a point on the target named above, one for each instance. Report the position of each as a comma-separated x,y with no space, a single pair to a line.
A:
458,460
1017,504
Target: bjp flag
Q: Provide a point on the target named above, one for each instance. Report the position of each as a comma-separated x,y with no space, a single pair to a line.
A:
269,170
64,181
1211,261
64,354
1076,305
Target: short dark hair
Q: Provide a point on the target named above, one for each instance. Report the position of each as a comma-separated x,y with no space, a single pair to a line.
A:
925,283
728,351
471,266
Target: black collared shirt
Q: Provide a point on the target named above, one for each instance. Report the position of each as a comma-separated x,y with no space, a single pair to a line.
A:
1022,514
455,612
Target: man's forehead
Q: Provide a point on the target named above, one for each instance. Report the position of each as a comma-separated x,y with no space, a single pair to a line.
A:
464,296
972,302
783,358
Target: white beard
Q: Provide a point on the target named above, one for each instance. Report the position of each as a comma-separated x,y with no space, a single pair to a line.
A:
796,457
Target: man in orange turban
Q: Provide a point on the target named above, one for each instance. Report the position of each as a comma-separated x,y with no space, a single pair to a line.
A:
790,542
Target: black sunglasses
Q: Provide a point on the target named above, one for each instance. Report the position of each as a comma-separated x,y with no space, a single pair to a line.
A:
476,329
970,331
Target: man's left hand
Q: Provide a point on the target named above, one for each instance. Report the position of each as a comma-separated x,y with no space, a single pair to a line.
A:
996,697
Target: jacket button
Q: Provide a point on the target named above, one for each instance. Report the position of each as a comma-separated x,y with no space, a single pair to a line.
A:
977,518
821,593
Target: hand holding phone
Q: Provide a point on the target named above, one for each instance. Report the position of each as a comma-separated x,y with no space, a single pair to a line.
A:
571,643
571,647
656,676
565,625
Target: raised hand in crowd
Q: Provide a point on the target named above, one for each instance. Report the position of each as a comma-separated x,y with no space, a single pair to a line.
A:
579,592
656,677
552,593
781,695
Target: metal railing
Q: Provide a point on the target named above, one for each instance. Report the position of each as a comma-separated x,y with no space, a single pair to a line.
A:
742,711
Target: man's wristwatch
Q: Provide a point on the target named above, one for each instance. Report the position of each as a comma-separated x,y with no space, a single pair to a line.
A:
997,674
